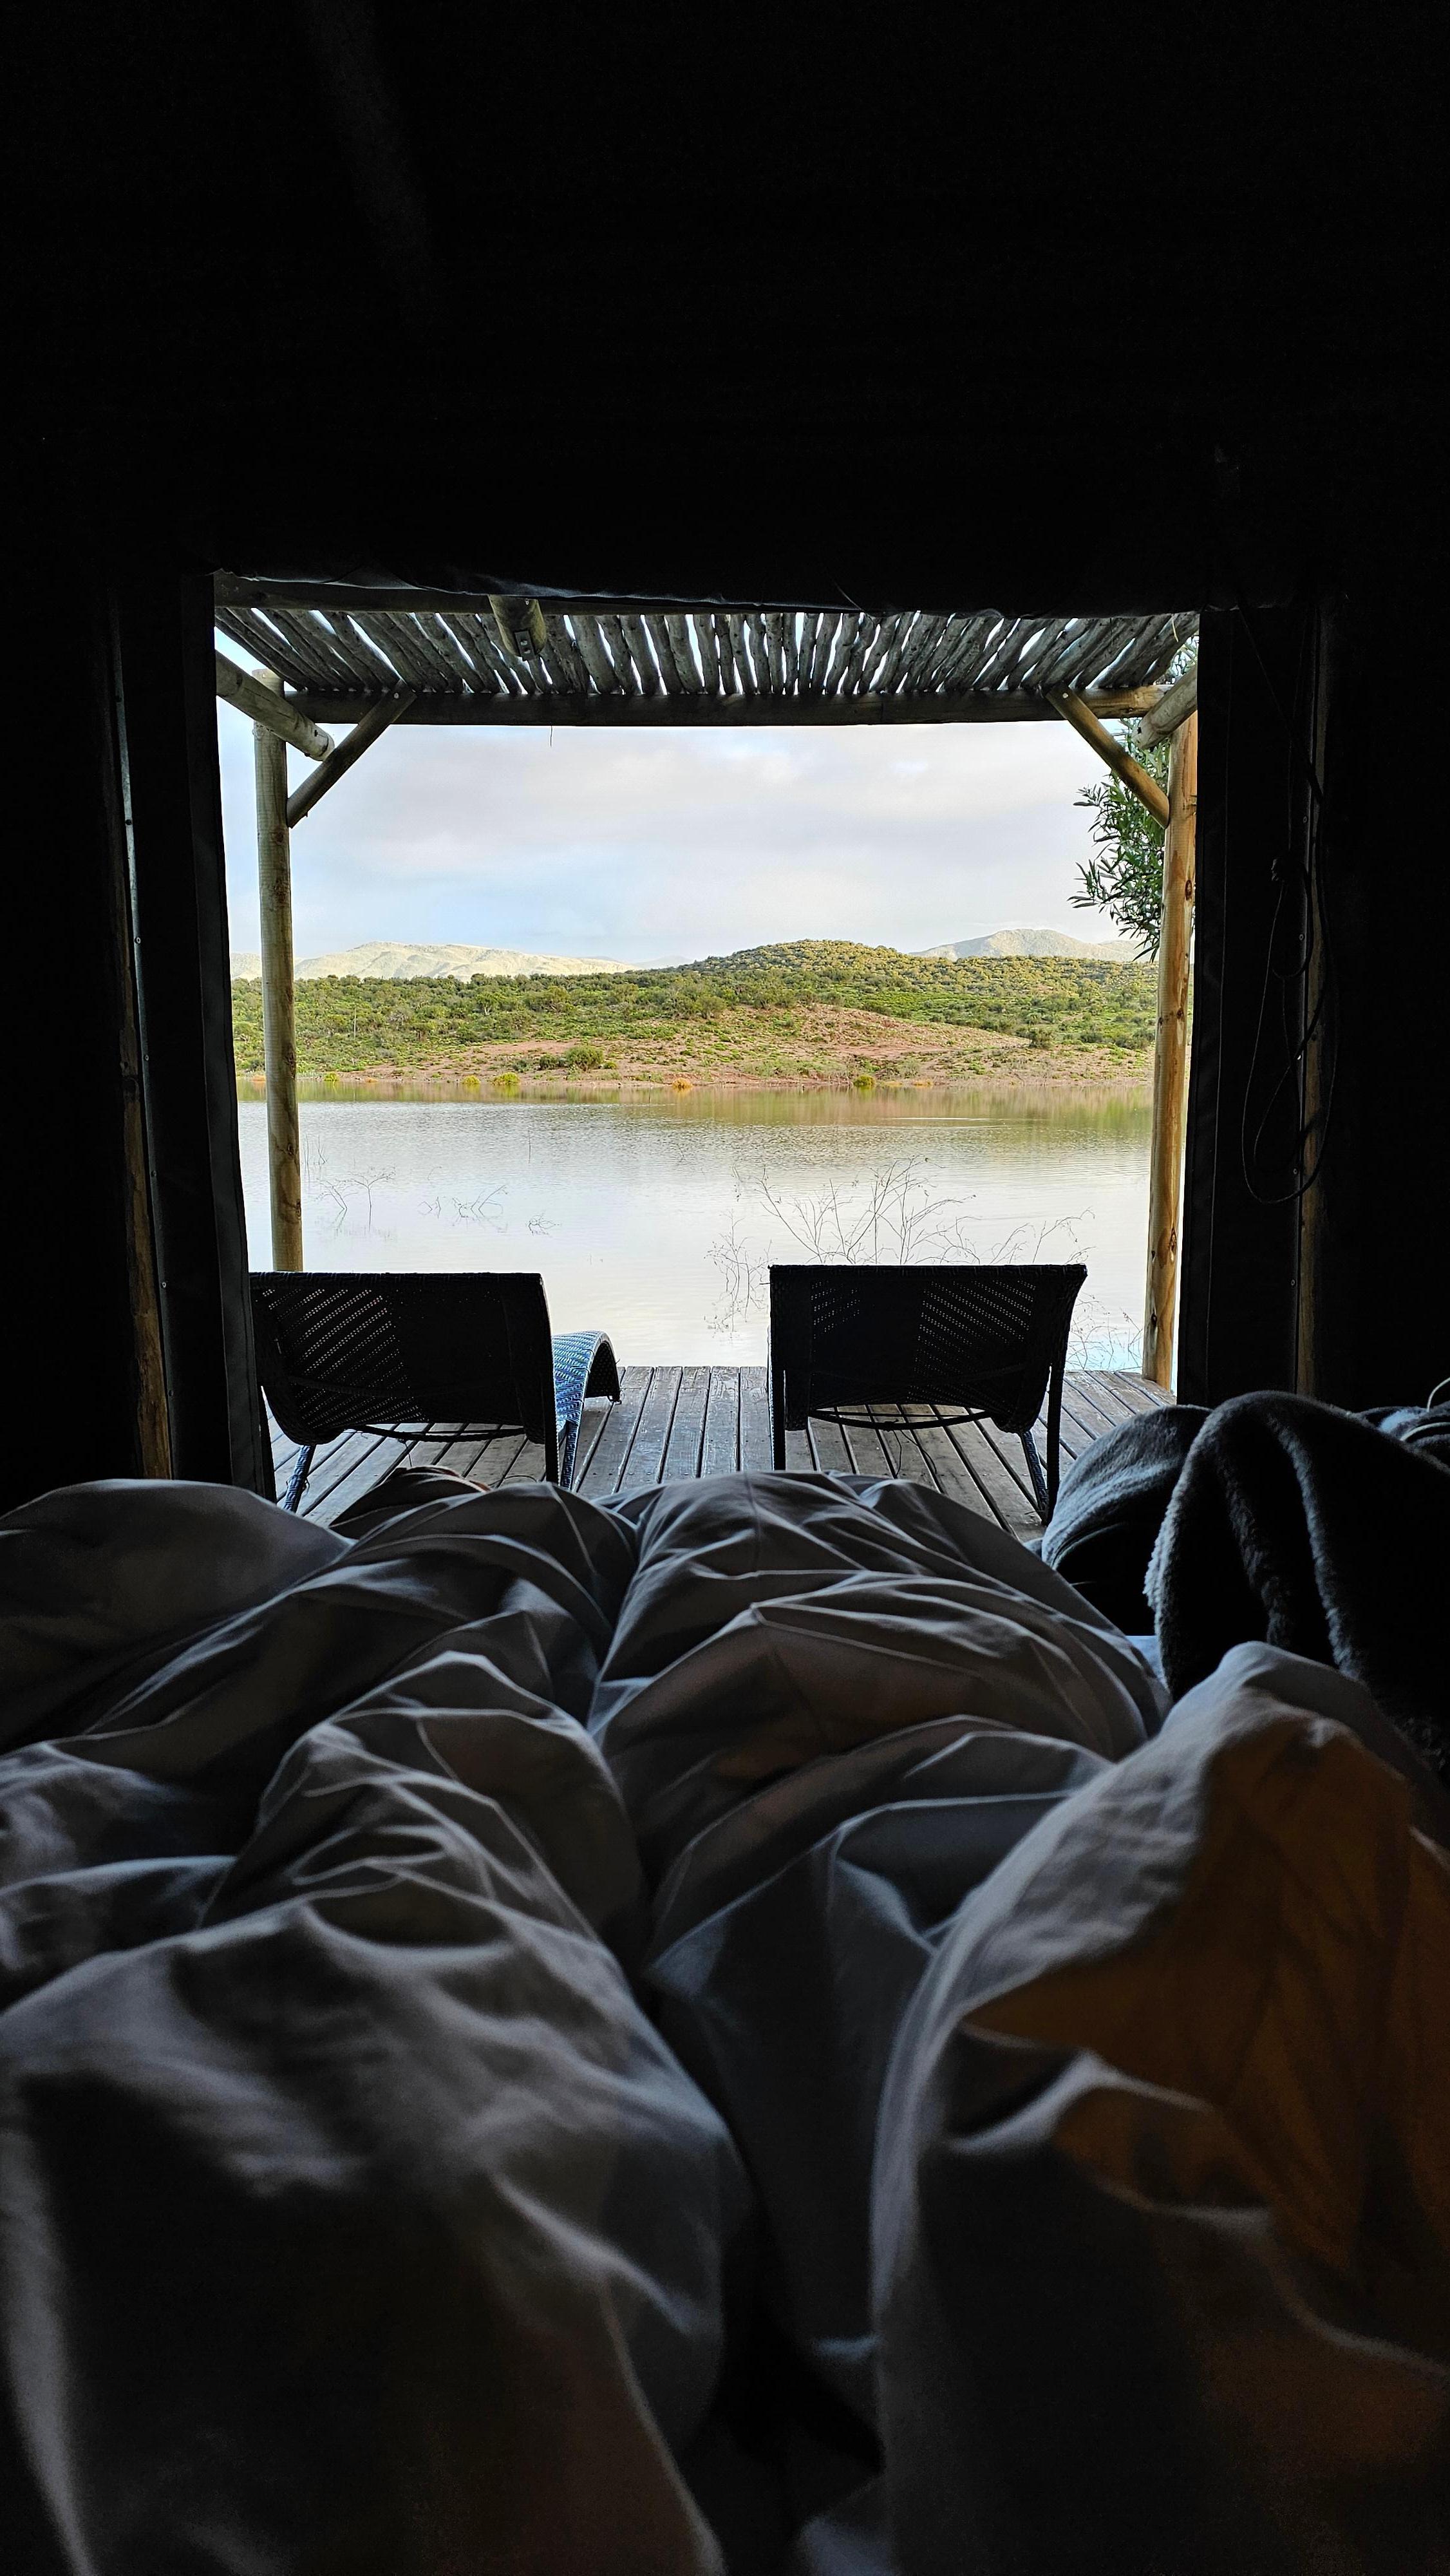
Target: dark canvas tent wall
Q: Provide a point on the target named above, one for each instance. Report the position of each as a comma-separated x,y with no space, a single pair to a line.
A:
431,299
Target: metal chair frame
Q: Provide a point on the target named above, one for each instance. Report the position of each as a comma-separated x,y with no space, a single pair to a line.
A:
987,1339
385,1351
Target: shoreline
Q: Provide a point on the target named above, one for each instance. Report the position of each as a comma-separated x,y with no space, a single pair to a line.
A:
823,1050
1038,1078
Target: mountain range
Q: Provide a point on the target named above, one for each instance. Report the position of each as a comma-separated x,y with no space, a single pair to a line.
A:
1034,943
398,961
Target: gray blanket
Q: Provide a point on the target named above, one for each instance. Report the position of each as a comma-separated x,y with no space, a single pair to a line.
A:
450,1977
1280,1519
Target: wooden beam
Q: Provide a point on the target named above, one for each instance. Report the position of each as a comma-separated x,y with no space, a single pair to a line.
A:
521,625
1078,712
1174,708
965,706
266,706
1170,1058
279,1030
339,761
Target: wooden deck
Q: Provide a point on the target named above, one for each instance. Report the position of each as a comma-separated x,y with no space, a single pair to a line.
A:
713,1421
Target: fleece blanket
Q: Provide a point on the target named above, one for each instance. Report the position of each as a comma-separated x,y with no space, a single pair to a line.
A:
1277,1518
473,1993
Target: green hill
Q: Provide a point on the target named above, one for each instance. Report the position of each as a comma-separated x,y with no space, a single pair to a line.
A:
346,1023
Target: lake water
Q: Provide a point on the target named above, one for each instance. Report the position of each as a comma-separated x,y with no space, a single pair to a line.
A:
655,1218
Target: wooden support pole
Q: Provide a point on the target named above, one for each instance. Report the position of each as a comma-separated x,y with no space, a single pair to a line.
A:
1170,1058
1173,709
1076,712
267,706
279,1030
340,759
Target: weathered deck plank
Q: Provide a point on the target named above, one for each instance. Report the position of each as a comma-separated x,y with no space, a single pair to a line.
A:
720,1448
609,1459
754,1421
697,1421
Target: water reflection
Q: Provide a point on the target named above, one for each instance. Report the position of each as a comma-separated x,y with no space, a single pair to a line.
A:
657,1217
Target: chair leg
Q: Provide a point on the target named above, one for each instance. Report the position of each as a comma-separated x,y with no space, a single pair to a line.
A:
567,1447
777,1417
1039,1481
1054,1427
298,1479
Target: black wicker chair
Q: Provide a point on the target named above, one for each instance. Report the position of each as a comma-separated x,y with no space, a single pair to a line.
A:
398,1351
989,1342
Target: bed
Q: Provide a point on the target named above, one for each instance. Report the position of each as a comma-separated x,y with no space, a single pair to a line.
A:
738,2029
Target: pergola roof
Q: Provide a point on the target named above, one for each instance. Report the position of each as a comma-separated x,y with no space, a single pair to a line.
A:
486,659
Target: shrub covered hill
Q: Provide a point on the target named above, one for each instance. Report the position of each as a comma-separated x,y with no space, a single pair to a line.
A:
794,991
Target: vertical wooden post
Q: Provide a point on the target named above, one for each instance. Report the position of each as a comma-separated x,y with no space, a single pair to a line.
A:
1170,1057
279,1032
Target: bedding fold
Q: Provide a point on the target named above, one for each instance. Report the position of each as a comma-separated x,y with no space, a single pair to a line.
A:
732,2029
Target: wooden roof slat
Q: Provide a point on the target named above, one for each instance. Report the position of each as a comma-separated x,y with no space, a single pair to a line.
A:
676,669
809,651
1062,650
900,627
427,665
637,638
385,676
612,637
236,627
964,651
941,653
834,644
466,643
677,632
293,626
657,642
1027,648
481,636
1108,652
349,655
464,674
995,659
560,654
874,657
732,684
702,636
593,655
271,647
744,676
397,657
862,642
916,660
702,662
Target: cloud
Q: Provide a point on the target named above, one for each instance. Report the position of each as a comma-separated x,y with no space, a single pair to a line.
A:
644,843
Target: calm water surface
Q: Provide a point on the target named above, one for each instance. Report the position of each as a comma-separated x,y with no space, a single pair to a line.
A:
655,1218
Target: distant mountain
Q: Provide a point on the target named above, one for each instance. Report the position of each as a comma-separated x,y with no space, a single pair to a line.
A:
1034,943
398,961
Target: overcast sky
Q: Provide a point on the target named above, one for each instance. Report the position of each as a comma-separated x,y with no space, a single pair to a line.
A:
657,844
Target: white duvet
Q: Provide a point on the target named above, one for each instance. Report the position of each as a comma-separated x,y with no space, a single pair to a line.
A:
481,2029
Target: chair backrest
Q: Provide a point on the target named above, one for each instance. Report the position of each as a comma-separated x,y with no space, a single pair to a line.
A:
338,1349
983,1337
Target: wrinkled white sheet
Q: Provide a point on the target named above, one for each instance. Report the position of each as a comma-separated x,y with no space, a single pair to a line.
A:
468,1994
1161,2198
352,2213
832,1711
